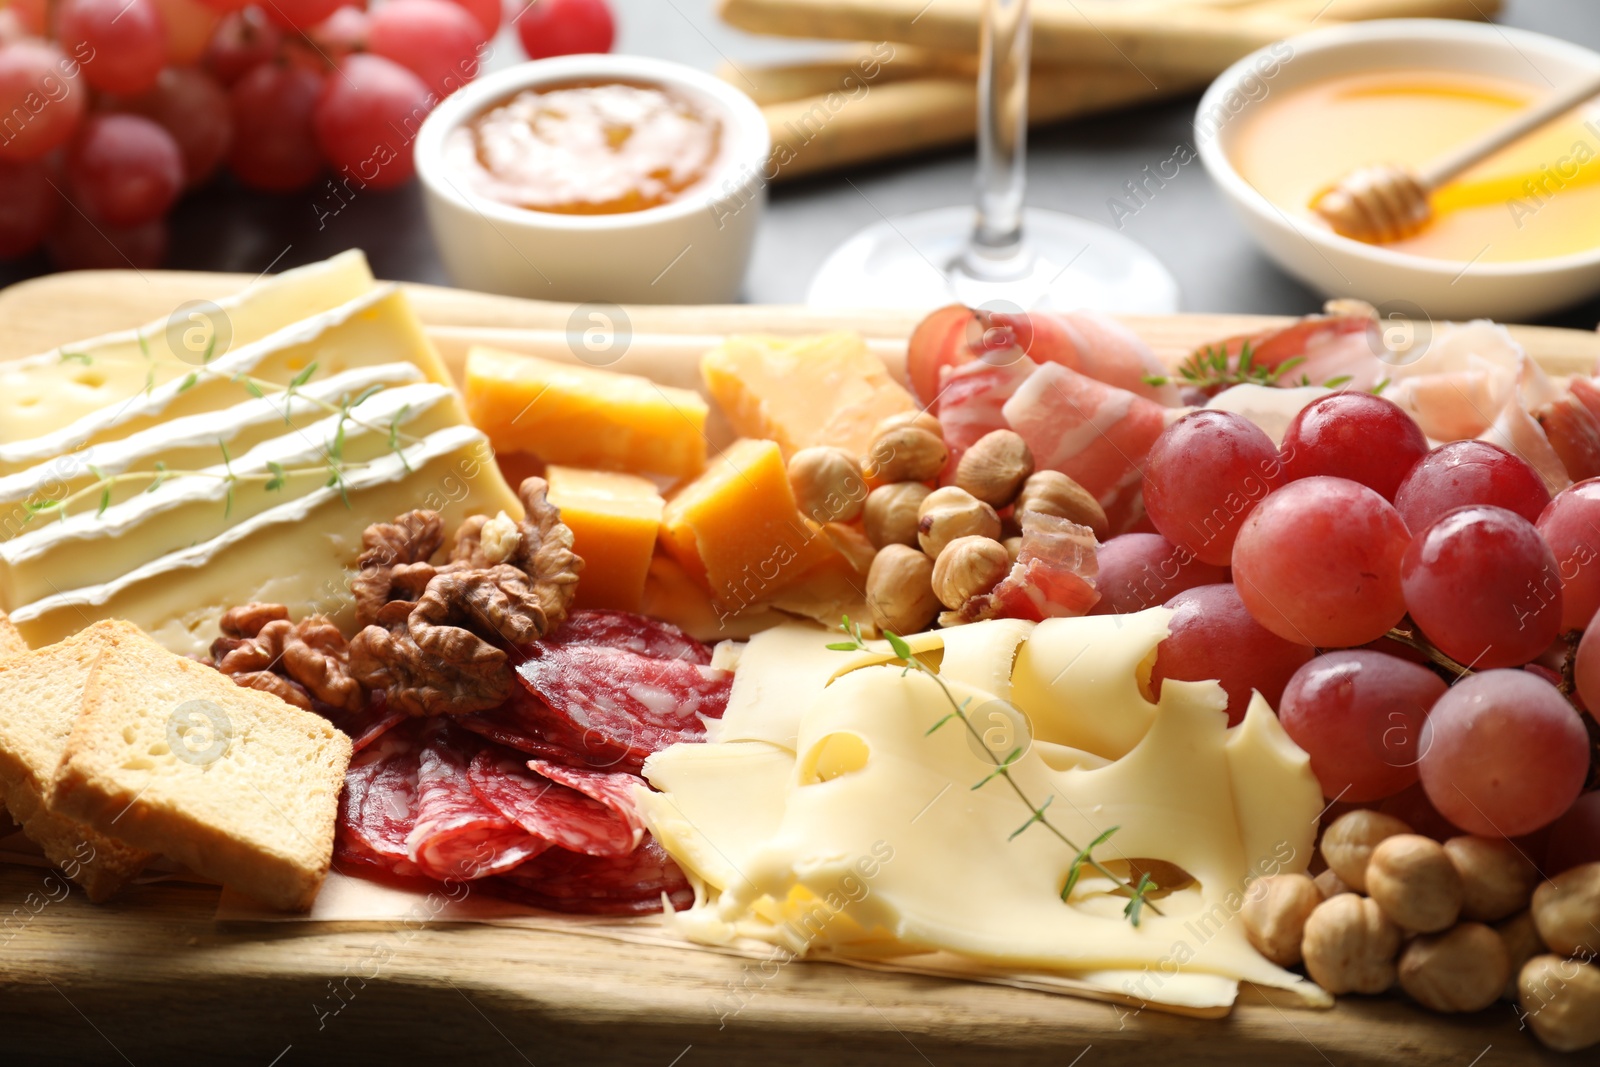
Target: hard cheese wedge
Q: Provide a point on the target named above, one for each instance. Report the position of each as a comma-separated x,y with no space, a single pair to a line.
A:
44,393
613,518
582,416
738,528
376,328
298,553
800,392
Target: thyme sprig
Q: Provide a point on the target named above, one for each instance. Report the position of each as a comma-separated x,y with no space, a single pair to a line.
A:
276,476
1213,366
1138,894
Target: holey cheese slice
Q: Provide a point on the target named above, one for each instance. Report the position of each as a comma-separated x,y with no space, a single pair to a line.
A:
375,328
298,553
93,546
863,836
45,393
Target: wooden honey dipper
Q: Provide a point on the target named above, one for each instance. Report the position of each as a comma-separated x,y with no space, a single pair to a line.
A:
1386,202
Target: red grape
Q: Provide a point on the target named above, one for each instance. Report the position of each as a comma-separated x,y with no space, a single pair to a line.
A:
75,243
124,170
123,41
1203,476
1213,636
1575,837
367,117
1469,472
299,14
565,27
341,33
1571,526
242,42
1358,436
1359,717
1141,570
1483,586
28,206
193,108
1503,754
1586,669
189,25
487,12
228,7
1318,562
274,148
434,39
41,100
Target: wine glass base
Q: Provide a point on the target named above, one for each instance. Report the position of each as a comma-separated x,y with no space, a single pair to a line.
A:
913,261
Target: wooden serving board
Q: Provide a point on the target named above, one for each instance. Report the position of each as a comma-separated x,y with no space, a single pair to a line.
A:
153,978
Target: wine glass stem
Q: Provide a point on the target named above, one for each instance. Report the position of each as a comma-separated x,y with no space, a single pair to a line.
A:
1002,135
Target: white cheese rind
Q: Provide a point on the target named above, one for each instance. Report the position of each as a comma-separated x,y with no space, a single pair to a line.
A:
92,546
298,554
41,394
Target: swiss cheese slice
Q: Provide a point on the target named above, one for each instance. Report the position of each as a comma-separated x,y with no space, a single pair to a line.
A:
883,846
48,392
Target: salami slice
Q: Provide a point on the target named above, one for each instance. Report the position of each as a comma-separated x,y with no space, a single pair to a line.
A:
507,726
380,801
457,835
370,723
547,809
611,788
589,885
614,702
635,633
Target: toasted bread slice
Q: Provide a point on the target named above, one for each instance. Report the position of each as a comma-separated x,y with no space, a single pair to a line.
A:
11,644
42,694
234,783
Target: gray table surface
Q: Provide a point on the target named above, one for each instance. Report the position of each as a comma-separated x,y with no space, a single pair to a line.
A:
1075,167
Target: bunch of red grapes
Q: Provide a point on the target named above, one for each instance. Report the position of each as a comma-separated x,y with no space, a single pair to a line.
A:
111,109
1413,613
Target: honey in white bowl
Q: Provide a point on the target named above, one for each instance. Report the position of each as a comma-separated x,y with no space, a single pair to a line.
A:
587,148
1535,199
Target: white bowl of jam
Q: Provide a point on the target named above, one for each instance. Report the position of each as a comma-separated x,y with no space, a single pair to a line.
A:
596,178
1513,238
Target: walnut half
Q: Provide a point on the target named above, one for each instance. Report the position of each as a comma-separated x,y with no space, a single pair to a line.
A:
261,649
442,653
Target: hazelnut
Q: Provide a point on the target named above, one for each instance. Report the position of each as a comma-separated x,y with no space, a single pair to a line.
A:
967,567
1497,878
1349,946
827,483
1522,942
900,590
922,420
994,468
1275,913
891,513
1329,884
1348,842
952,512
1463,969
905,454
1412,879
1053,493
1566,909
1561,1001
1013,547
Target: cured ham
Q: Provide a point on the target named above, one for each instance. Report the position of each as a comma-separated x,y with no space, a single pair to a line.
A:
1094,433
1053,576
970,401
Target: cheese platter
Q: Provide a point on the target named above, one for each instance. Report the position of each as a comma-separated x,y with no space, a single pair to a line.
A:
718,979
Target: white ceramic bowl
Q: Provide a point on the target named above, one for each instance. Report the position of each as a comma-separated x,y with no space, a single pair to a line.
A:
693,250
1338,266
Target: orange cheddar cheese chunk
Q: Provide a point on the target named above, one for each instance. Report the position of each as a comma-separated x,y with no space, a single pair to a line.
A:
585,417
613,518
803,391
737,528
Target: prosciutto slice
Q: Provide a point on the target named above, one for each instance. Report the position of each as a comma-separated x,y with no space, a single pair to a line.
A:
1094,433
971,397
1053,576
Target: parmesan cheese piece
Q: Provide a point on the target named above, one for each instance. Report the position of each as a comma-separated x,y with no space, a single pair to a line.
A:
870,840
